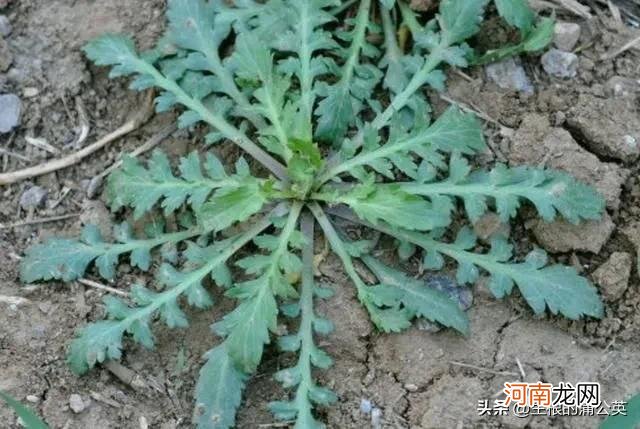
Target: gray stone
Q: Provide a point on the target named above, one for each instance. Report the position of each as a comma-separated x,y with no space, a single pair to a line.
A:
76,403
509,74
566,35
33,197
561,236
93,187
561,64
10,111
613,275
365,406
5,26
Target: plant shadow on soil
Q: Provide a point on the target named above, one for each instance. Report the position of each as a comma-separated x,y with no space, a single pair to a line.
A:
410,377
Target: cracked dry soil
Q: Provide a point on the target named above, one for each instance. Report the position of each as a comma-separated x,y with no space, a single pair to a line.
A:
418,379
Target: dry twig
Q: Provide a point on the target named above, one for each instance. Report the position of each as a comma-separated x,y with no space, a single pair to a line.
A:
42,144
84,122
58,164
100,286
126,375
39,221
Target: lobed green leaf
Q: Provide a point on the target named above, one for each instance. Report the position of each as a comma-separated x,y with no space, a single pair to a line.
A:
218,391
68,260
397,288
142,188
552,192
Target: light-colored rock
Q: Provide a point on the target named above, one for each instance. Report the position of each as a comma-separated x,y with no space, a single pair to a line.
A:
566,35
509,74
10,112
93,186
76,403
561,236
30,92
559,63
5,26
33,197
613,275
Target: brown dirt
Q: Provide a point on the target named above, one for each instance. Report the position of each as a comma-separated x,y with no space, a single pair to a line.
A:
409,377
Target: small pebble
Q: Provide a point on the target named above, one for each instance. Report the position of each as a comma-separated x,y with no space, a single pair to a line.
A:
561,64
509,74
10,111
376,418
630,141
93,187
366,406
33,399
411,387
566,35
30,92
5,26
144,424
45,307
33,197
76,403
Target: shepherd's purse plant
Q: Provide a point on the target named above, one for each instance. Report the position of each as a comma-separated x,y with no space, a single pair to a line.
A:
330,114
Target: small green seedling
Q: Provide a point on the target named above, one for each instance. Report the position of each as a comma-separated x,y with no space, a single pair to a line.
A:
338,126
